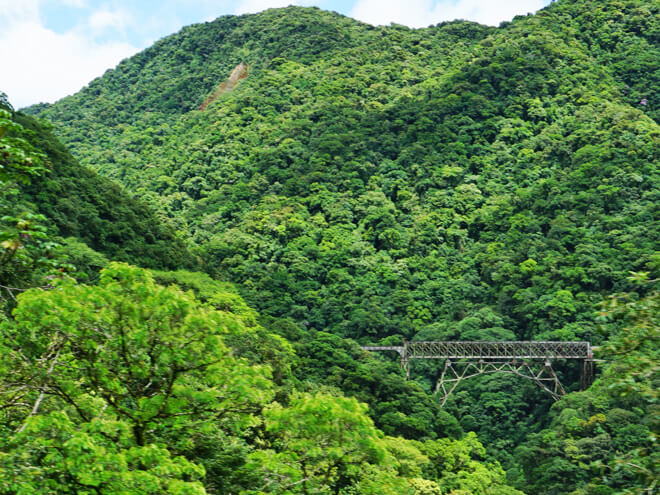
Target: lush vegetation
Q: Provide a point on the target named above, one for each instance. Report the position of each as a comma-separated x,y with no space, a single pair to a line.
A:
57,216
81,204
132,387
360,185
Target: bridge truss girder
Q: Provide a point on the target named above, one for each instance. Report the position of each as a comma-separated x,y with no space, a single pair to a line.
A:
454,372
528,359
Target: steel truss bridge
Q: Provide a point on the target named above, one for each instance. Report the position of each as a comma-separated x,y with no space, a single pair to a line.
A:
463,360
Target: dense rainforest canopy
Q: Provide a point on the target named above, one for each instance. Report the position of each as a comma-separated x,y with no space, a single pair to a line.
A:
293,184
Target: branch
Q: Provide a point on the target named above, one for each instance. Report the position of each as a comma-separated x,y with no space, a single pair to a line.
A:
37,404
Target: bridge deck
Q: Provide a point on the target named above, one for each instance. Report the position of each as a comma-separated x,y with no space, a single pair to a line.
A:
490,350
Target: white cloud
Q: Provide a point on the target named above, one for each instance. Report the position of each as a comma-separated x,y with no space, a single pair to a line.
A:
30,8
109,19
414,13
41,65
11,9
420,13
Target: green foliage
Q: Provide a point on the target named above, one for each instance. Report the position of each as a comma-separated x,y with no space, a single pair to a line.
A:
27,253
44,192
633,325
455,464
398,407
323,444
604,440
56,455
116,373
145,350
319,190
87,261
18,159
78,203
326,444
129,387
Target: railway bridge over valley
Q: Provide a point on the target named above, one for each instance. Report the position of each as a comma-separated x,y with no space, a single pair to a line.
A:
528,359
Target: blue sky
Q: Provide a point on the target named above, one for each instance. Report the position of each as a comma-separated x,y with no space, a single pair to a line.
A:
52,48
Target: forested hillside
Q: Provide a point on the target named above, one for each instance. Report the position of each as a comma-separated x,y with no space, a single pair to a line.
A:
361,185
381,181
126,386
82,204
58,215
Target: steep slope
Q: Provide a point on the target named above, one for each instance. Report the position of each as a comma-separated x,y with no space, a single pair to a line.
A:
413,177
177,73
79,203
148,93
240,72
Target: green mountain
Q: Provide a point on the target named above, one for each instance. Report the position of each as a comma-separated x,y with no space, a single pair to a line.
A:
457,182
392,182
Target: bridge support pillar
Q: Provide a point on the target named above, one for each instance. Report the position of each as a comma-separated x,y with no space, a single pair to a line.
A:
587,374
405,366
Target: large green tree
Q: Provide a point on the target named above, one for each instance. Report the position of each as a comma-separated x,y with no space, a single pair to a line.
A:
101,386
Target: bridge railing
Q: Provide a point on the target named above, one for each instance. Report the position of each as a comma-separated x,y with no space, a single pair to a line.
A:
497,350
